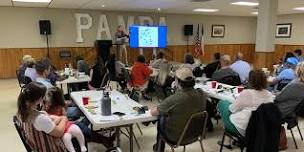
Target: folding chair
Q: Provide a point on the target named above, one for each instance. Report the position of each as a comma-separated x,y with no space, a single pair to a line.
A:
292,122
18,127
40,141
20,80
193,131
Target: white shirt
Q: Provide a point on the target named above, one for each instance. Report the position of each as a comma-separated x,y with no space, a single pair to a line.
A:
44,123
45,82
249,100
242,68
31,73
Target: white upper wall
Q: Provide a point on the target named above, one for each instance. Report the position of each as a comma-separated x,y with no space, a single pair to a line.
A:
19,27
297,33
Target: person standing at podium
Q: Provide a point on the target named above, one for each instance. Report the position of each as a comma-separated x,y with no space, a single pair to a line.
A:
121,38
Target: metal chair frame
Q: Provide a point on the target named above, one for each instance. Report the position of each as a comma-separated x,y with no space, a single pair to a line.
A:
181,138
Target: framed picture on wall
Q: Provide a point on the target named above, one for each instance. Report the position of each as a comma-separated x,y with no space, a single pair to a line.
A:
283,30
218,31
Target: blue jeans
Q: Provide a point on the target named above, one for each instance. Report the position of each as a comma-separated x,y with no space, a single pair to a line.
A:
73,113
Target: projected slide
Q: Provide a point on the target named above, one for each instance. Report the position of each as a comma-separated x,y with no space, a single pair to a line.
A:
148,36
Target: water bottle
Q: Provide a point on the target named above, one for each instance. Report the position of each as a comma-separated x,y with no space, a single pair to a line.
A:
106,104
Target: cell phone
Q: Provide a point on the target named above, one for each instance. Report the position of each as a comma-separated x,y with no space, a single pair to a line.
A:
119,113
145,108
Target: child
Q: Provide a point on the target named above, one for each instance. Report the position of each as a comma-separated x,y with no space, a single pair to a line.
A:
56,107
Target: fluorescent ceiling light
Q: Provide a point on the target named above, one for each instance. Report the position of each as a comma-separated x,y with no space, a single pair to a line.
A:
33,1
254,13
205,10
299,8
243,3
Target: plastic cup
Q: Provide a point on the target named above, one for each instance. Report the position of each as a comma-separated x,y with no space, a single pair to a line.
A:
213,84
85,100
240,89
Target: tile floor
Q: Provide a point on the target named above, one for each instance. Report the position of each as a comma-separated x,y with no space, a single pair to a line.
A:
10,142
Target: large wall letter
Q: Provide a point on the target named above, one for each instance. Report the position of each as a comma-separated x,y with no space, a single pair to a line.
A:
145,20
162,21
103,28
79,26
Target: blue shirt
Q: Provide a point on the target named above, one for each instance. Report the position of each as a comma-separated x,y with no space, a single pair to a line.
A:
287,74
45,82
242,68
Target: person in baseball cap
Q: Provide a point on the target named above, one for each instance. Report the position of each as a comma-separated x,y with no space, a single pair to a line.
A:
286,75
178,108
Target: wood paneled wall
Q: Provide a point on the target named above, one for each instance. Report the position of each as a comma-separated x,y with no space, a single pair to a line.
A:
10,59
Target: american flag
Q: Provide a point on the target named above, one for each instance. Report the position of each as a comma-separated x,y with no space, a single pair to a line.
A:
199,47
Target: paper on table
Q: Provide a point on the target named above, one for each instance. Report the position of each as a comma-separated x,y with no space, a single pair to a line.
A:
110,118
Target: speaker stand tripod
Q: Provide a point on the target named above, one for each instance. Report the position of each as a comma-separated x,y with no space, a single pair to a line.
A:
47,46
187,44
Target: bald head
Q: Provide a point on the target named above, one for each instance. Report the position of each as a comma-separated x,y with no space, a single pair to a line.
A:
225,60
239,56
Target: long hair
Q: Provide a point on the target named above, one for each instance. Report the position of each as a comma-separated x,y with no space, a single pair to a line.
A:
55,97
300,71
30,95
163,73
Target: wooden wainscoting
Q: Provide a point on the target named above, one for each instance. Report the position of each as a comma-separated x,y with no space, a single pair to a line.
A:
10,59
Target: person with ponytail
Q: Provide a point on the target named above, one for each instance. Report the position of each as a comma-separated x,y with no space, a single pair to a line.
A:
28,100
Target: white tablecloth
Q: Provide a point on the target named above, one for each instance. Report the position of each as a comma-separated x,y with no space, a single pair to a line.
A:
120,103
222,94
70,80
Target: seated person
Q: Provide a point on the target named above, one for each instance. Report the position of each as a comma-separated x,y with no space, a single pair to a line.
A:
140,73
212,67
241,67
292,95
160,60
30,71
55,107
288,74
179,107
43,70
115,68
164,78
52,76
225,70
189,61
284,65
238,113
82,65
28,100
23,66
298,55
97,74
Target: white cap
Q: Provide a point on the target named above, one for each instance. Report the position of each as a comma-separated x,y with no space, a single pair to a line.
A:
184,74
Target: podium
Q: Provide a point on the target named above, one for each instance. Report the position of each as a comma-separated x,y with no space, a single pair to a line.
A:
103,49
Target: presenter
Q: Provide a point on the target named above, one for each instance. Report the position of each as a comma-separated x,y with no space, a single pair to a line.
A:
121,38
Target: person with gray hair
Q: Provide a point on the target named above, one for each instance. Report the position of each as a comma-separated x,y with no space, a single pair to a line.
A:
292,95
25,62
225,70
241,67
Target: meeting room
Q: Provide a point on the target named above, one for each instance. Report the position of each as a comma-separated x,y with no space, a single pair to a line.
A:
151,75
